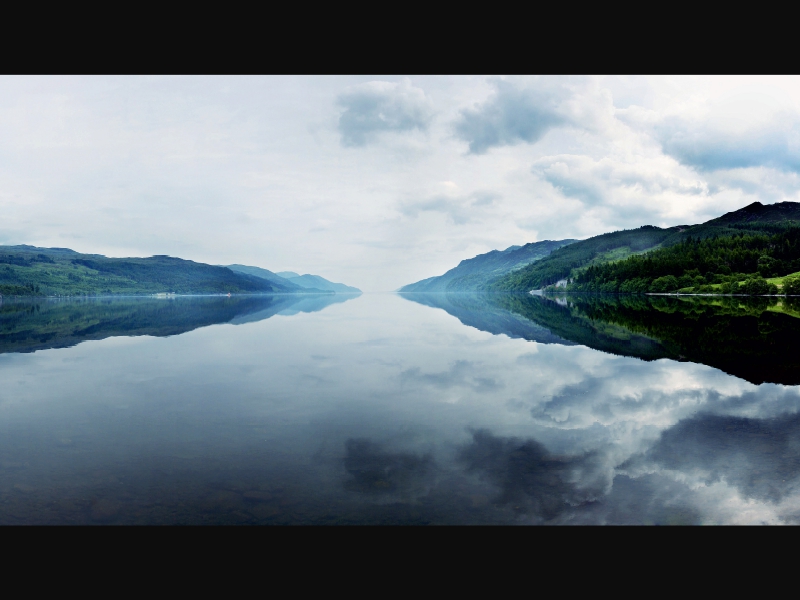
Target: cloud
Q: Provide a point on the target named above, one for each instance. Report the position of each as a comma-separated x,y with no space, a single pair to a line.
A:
598,181
452,207
707,147
573,179
460,209
513,115
763,183
612,189
484,198
380,106
737,131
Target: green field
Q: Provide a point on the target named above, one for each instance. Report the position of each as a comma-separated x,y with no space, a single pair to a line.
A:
779,280
716,287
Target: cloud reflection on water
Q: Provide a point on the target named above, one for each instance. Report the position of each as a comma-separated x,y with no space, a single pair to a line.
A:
678,437
379,410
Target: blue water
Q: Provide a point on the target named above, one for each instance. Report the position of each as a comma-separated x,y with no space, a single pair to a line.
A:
379,409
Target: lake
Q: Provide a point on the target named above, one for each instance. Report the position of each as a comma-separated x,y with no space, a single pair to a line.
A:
400,409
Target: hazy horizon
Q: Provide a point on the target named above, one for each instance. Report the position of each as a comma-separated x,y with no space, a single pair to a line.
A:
377,182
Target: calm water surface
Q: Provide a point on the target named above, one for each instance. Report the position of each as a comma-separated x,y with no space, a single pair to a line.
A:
389,409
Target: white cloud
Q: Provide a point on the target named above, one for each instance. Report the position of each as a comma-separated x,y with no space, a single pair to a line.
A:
376,107
515,113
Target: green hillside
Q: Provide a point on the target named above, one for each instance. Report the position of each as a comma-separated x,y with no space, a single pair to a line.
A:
32,271
594,264
473,273
561,263
739,263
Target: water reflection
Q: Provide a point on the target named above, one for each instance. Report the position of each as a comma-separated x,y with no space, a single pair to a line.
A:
375,471
751,338
27,326
758,456
488,313
379,410
531,479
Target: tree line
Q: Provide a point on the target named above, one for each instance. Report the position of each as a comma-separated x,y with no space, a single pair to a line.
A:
738,263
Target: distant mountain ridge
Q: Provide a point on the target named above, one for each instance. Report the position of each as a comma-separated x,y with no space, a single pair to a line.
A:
268,275
472,273
315,281
301,283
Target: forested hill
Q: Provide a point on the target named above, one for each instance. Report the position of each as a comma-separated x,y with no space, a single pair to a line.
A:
739,263
756,214
472,273
31,271
601,248
570,262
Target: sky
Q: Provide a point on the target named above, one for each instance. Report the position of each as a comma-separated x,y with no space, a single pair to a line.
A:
380,181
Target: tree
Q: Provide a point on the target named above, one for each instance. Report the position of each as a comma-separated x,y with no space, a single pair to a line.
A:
791,287
767,266
668,283
758,287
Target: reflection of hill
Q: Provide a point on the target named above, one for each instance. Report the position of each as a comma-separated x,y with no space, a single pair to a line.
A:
304,304
483,312
41,324
748,338
744,337
563,320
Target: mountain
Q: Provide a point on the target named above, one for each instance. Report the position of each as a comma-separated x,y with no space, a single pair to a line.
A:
601,248
268,275
757,213
303,283
472,273
754,220
32,271
315,281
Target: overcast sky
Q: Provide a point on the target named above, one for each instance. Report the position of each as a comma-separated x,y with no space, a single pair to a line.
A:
380,181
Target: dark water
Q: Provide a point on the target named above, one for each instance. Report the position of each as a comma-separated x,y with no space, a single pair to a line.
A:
416,409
